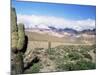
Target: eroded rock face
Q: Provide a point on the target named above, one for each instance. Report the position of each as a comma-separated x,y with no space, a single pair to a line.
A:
30,57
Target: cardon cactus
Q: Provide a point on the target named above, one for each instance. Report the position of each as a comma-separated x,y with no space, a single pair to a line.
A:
17,43
21,35
17,33
49,45
14,30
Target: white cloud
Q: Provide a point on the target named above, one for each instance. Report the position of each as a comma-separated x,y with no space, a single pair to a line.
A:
45,21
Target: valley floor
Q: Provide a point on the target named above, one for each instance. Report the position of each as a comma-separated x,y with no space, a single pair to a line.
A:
59,56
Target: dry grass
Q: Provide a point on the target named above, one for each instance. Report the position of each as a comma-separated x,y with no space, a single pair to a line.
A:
57,54
37,40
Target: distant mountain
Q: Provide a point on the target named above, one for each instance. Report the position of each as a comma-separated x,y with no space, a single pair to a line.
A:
70,30
52,28
73,31
60,30
88,31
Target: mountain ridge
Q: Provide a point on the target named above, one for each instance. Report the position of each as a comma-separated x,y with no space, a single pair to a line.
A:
62,30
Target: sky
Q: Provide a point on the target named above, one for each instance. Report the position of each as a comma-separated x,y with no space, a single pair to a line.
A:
33,14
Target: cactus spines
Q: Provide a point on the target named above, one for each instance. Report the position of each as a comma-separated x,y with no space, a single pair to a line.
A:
14,41
14,28
18,34
13,20
21,35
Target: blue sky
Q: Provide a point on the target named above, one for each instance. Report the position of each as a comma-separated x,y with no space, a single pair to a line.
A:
67,11
78,17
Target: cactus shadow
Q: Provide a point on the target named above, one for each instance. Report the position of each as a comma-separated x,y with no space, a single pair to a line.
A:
25,45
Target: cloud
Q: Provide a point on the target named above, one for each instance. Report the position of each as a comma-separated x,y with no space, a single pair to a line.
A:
45,21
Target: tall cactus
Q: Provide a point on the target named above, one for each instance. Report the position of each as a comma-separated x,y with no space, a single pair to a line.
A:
14,30
17,43
21,35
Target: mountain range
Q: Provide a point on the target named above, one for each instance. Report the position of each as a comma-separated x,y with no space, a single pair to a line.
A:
60,30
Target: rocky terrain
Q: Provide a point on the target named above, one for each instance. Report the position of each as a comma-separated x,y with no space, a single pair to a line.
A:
62,58
72,51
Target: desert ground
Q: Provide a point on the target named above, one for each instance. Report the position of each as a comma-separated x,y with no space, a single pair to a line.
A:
59,54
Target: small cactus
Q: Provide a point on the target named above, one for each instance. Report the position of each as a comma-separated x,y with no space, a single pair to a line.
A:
49,45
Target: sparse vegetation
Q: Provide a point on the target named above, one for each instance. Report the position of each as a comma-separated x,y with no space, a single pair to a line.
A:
74,56
85,65
51,51
79,65
65,58
69,58
86,55
36,68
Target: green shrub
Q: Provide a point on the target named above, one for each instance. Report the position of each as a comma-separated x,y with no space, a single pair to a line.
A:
74,56
85,65
86,55
51,51
36,68
67,67
79,65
